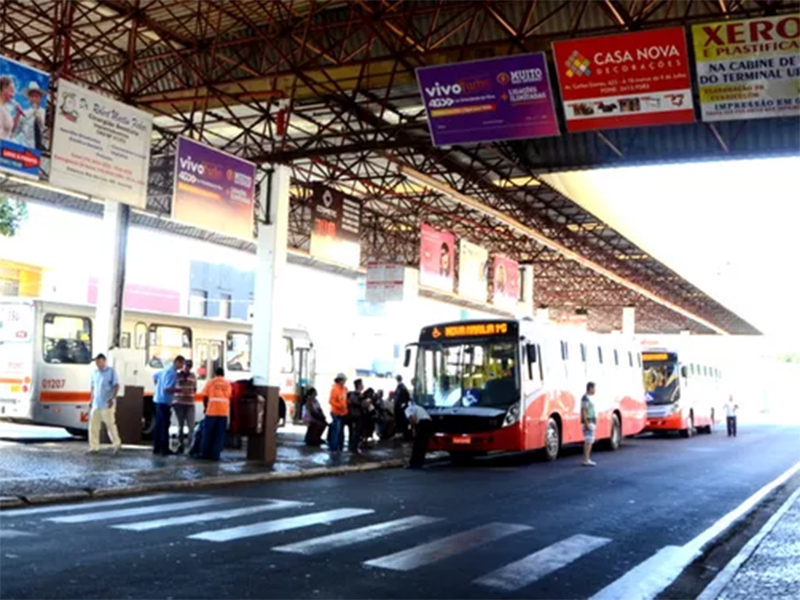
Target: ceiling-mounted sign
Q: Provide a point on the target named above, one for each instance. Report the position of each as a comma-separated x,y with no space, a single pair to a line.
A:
472,266
335,227
436,258
486,100
626,80
213,190
748,69
506,282
23,103
101,147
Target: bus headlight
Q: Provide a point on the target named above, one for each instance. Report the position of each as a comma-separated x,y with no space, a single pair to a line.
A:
512,415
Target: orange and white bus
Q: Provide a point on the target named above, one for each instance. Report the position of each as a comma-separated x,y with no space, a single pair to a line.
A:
46,351
684,392
507,385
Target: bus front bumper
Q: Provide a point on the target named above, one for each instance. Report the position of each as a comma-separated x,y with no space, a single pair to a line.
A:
673,422
507,439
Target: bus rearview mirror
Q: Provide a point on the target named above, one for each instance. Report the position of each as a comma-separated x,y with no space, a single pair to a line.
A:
684,372
407,358
531,353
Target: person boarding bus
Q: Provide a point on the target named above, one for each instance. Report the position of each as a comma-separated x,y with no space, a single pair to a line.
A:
217,394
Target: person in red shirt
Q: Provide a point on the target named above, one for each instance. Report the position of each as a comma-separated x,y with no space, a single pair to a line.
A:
338,404
217,395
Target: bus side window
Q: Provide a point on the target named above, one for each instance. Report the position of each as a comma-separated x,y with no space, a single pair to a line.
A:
140,336
288,357
600,355
125,340
630,359
583,352
67,340
616,358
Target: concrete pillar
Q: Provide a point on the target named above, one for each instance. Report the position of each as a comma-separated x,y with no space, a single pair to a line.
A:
628,320
526,281
111,281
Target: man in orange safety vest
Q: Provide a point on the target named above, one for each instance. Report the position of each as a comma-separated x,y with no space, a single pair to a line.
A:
217,396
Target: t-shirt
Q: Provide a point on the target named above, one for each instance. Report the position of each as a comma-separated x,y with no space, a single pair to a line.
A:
187,386
418,412
165,379
587,408
730,408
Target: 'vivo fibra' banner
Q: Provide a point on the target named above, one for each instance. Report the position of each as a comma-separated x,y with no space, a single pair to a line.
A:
488,100
335,227
748,69
626,80
213,190
23,104
101,147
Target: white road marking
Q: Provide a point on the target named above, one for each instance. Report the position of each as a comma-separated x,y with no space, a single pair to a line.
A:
355,536
649,578
6,534
440,549
524,572
265,527
123,513
24,512
208,516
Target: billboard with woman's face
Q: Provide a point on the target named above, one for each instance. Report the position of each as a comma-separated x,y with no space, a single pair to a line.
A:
506,282
436,258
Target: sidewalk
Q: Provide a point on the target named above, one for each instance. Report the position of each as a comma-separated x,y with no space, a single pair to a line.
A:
768,567
62,470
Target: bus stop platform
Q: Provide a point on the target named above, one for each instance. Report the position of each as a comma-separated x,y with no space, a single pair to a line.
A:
768,566
40,471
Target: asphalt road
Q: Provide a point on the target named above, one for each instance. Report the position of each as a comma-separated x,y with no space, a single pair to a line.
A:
502,528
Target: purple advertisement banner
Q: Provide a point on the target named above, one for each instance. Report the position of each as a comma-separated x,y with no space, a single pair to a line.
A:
488,100
213,190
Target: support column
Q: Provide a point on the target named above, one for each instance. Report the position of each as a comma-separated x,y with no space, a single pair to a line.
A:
111,280
268,345
526,281
628,320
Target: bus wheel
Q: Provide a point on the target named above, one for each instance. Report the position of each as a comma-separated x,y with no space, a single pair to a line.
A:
615,441
689,431
552,440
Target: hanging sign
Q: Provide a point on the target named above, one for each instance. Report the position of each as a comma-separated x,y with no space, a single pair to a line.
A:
506,282
335,226
436,257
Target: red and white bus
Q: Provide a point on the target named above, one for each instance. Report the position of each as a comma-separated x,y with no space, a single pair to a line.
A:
507,385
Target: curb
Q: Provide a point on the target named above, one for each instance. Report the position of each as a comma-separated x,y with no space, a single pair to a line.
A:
196,484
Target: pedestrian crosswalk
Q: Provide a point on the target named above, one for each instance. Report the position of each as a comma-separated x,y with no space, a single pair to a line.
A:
399,543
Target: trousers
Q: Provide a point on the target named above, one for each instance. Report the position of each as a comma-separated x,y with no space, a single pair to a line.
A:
161,430
96,420
213,439
185,415
335,434
422,433
731,426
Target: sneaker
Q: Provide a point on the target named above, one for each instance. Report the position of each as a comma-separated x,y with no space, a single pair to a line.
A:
589,463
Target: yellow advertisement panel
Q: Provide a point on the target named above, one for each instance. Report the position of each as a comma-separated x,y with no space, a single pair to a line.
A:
748,69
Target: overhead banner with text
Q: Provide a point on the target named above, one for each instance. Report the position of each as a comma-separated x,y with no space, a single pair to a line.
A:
213,190
748,69
436,258
506,282
487,100
101,147
335,227
626,80
472,266
23,104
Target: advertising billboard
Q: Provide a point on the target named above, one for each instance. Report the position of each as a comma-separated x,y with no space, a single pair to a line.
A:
626,80
213,190
748,69
436,258
506,282
335,227
101,147
486,100
472,267
24,93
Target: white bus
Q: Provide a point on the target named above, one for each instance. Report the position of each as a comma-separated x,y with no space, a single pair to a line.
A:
46,351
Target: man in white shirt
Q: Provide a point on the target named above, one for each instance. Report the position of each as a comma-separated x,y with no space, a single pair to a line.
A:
422,426
730,412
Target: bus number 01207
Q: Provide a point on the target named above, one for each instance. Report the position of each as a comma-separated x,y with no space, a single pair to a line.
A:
53,384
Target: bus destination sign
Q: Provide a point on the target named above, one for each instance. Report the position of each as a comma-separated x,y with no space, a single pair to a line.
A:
656,356
467,330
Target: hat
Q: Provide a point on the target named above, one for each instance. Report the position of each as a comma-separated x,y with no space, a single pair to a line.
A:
33,86
341,377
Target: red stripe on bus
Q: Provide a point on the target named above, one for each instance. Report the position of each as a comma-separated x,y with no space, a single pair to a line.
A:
65,396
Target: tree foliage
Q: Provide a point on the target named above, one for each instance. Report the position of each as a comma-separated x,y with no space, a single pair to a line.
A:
12,213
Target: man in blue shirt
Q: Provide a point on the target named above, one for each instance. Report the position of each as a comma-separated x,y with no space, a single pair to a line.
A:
105,386
166,382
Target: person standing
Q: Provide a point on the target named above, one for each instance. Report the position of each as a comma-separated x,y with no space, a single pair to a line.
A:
217,395
730,412
338,404
166,385
184,405
589,422
9,122
422,429
105,387
31,126
354,414
401,401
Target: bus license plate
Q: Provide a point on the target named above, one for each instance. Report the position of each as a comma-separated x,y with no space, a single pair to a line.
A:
462,440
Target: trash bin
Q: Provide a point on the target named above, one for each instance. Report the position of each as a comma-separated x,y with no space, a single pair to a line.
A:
130,408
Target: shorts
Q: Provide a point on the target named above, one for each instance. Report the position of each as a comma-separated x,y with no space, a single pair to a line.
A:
588,434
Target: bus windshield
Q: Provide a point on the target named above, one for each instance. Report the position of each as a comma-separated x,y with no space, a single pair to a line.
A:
662,382
480,374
